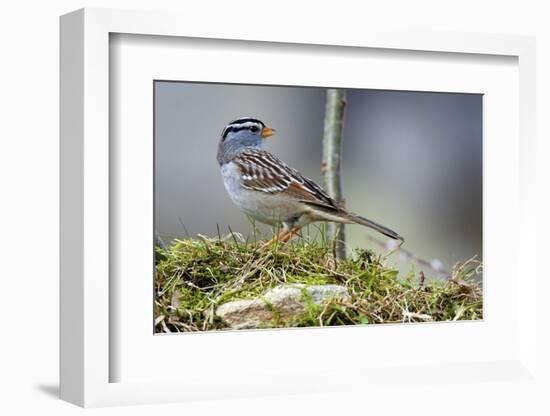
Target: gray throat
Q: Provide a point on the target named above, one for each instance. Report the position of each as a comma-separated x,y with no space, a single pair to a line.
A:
227,151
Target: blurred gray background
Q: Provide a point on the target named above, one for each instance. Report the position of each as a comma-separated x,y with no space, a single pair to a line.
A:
412,161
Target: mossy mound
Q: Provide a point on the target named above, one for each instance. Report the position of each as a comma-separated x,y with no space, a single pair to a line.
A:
195,276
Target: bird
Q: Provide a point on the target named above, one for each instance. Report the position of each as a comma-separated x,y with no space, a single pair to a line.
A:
270,191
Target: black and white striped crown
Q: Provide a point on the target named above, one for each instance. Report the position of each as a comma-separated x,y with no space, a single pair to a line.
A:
243,123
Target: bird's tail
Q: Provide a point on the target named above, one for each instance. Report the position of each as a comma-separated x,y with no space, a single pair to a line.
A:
375,226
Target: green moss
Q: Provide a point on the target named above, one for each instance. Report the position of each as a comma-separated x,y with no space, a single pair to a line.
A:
194,276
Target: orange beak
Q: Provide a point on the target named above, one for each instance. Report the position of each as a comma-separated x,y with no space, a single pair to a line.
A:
268,131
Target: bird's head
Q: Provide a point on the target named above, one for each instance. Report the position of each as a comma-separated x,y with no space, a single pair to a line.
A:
245,132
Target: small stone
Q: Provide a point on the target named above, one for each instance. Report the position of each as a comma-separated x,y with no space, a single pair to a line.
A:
285,303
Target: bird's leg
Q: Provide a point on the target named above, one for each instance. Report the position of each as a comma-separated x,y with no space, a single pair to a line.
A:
289,234
281,236
284,236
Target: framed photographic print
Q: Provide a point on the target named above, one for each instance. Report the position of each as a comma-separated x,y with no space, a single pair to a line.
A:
243,225
219,269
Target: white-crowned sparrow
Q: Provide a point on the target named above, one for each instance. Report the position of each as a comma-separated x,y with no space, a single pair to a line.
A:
272,192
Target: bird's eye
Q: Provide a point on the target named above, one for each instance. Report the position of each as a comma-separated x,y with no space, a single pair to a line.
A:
254,129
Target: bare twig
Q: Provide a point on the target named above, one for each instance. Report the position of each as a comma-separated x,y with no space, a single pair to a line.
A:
332,160
434,265
184,227
422,280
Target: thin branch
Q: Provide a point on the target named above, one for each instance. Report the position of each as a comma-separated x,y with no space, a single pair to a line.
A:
434,265
332,160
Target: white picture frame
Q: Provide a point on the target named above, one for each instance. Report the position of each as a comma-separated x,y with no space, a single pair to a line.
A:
87,356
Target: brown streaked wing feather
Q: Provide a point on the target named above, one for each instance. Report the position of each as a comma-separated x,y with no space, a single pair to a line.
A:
261,171
318,200
257,175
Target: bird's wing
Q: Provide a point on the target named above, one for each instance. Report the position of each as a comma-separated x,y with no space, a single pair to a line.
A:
263,172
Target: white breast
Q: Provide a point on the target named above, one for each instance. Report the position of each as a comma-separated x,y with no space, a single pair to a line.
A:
264,207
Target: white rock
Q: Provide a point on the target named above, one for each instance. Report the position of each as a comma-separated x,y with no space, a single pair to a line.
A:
284,303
